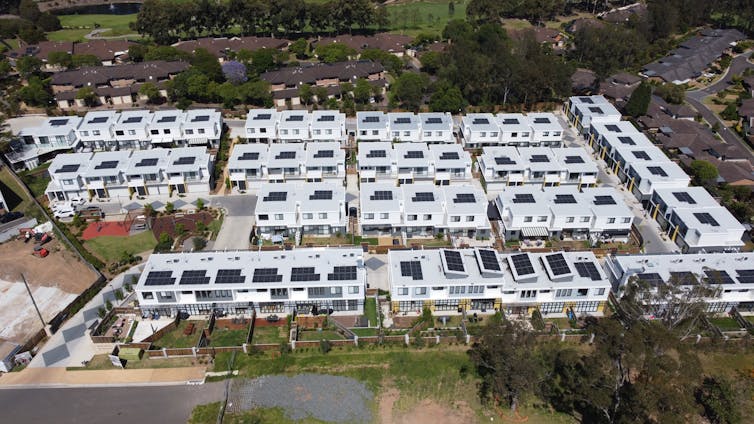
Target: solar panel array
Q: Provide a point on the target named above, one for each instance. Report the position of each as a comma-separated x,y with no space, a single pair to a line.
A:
541,120
159,278
324,154
108,164
504,160
604,200
627,140
321,195
464,198
612,128
412,269
249,156
165,119
586,100
68,168
588,270
558,264
147,162
423,197
58,122
656,170
382,195
276,196
186,160
574,159
304,274
638,154
682,196
266,275
718,277
194,277
414,154
371,119
539,159
564,198
402,121
132,120
433,121
326,118
377,154
651,278
595,109
295,118
200,118
263,117
449,156
522,264
480,121
523,198
286,155
97,120
489,259
229,276
684,278
745,276
706,218
510,121
342,273
453,260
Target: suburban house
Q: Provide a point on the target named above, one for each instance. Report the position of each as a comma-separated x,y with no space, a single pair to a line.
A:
293,126
413,162
109,52
165,127
3,204
545,129
746,112
223,47
376,161
594,214
96,131
269,125
693,57
515,129
730,275
328,125
449,162
391,43
325,160
479,130
296,209
40,143
436,127
423,210
301,281
261,125
119,174
247,166
372,126
542,166
583,111
407,163
452,281
202,127
511,129
404,127
285,162
695,221
131,129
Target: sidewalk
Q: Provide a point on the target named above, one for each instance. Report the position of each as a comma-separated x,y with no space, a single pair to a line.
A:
60,377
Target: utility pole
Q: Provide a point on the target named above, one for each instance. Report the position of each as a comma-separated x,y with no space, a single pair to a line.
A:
34,302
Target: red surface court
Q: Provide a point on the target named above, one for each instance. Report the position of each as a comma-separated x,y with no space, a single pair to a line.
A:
97,229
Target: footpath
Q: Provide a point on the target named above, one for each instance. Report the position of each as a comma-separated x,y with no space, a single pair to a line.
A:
60,377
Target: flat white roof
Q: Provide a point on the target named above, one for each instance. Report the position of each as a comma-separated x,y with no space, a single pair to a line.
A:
98,120
563,201
422,198
371,120
480,122
731,270
378,153
247,156
324,119
513,122
449,156
291,119
458,201
686,197
436,121
403,121
321,197
277,198
411,155
539,158
261,118
53,126
201,118
503,158
148,161
69,166
380,197
324,153
617,127
132,119
108,163
288,155
661,173
544,121
634,140
575,159
181,159
171,118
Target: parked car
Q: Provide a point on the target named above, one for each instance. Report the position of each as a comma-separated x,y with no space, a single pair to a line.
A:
64,213
77,201
10,216
60,206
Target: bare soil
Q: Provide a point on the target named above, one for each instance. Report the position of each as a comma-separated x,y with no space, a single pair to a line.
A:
425,412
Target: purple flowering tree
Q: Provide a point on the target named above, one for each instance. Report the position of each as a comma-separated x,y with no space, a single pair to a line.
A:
234,72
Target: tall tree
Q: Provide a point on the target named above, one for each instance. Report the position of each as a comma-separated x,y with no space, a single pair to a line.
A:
638,103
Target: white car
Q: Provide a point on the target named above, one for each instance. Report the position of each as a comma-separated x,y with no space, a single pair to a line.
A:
61,206
77,201
64,213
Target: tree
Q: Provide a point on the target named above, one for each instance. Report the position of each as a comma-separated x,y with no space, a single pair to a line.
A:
730,113
671,93
169,207
62,59
362,91
703,171
207,64
300,48
151,92
165,53
320,16
447,98
28,65
234,72
504,361
408,90
48,22
305,93
390,61
431,62
451,8
263,60
320,93
334,52
88,95
638,103
719,400
29,10
36,92
136,52
381,17
79,60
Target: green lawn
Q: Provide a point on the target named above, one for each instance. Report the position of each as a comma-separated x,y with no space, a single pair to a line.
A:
225,337
319,335
36,179
428,242
177,339
725,324
102,362
12,192
205,414
68,35
112,248
114,22
365,332
370,311
269,335
414,17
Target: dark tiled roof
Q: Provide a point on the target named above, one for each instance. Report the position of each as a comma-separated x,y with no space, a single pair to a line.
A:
220,46
382,41
583,79
309,74
101,75
103,49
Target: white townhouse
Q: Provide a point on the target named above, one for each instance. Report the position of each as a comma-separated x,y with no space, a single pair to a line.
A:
189,170
449,163
325,160
145,173
247,166
381,208
261,125
564,212
578,166
546,129
404,127
376,162
515,129
96,130
293,126
695,221
328,125
104,178
285,162
67,173
598,130
502,166
38,143
466,211
479,130
413,162
131,129
305,281
165,127
372,126
605,146
730,274
643,177
451,281
436,127
301,209
202,127
543,167
423,210
583,111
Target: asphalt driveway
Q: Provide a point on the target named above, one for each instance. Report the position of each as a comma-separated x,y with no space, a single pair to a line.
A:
239,219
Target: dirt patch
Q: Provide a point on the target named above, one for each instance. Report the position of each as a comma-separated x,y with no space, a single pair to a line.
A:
167,223
431,412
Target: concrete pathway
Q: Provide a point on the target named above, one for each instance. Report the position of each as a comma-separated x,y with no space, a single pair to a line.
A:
60,377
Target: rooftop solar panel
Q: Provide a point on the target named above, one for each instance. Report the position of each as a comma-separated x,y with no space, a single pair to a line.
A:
449,156
604,200
613,128
714,276
558,264
262,117
304,274
564,198
539,159
745,276
523,198
651,278
423,197
295,118
229,276
186,160
147,162
58,122
489,259
588,270
433,121
275,196
541,120
522,264
249,156
464,198
412,269
286,155
402,121
68,168
414,154
371,119
324,154
586,100
683,196
706,218
266,275
97,120
595,109
504,160
377,154
159,278
684,278
640,155
510,121
480,121
326,118
342,273
321,195
574,159
382,195
108,164
453,260
166,119
656,170
200,118
133,120
194,277
627,140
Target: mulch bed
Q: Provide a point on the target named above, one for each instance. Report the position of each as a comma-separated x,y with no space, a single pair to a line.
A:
167,223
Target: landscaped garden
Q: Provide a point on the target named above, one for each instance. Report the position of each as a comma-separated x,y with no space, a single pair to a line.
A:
115,248
227,337
180,337
269,335
319,334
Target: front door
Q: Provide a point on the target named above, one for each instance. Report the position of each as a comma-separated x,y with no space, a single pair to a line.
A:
101,193
181,188
242,185
141,190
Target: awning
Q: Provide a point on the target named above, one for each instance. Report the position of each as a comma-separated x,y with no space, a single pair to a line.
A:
161,140
198,140
535,232
368,173
314,174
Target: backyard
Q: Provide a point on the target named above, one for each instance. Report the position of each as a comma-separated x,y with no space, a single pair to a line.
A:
15,197
176,337
269,335
227,337
335,240
370,311
113,248
319,334
75,27
102,362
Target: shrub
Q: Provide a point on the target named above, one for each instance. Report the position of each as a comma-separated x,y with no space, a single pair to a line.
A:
101,312
325,346
169,208
419,342
108,305
199,243
200,204
119,294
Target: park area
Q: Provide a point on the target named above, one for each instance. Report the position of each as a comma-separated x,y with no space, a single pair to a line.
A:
75,27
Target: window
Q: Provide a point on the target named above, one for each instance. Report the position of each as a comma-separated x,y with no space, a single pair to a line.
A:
556,133
545,133
153,132
307,215
584,219
406,133
493,134
328,132
483,134
284,132
570,219
514,135
362,132
582,292
95,132
250,130
600,292
384,215
626,220
427,133
528,294
427,217
611,220
563,293
457,289
396,134
541,219
189,131
412,217
119,132
278,216
476,289
454,218
527,219
403,291
470,218
263,130
84,133
368,216
323,215
524,134
420,291
295,132
317,132
375,132
353,289
131,132
166,131
264,217
147,295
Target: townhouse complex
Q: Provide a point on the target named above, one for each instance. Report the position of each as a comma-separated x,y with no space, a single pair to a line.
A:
689,215
269,125
406,163
479,130
109,130
405,127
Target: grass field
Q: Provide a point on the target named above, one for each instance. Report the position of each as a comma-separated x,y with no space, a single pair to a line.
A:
75,27
12,192
412,17
102,362
365,332
112,248
370,311
319,335
225,337
264,335
177,339
34,179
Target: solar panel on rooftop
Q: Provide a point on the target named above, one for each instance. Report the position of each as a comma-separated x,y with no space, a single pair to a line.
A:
522,264
558,264
489,259
453,260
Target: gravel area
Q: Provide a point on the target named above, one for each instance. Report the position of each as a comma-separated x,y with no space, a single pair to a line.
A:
323,397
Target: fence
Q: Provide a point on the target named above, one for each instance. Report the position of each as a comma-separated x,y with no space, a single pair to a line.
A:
78,303
161,332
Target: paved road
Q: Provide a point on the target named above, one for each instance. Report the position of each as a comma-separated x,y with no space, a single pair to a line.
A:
126,405
696,98
236,228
